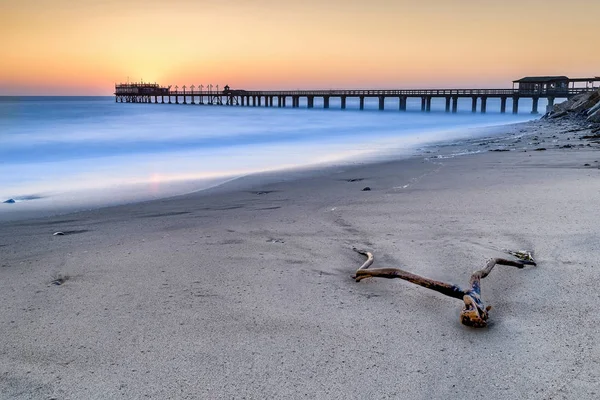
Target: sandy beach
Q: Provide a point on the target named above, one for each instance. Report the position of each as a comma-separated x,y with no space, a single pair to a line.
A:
244,290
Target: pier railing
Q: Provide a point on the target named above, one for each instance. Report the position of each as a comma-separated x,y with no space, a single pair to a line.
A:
384,92
146,93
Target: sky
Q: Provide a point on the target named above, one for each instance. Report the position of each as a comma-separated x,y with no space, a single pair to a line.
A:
65,47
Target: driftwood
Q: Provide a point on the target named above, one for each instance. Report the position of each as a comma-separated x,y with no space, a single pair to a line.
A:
474,312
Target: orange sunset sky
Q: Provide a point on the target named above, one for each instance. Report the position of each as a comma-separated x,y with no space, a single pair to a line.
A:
59,47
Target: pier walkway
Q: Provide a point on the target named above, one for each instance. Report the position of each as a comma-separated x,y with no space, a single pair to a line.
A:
152,93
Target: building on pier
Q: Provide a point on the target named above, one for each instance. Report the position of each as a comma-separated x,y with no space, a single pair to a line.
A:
139,92
552,85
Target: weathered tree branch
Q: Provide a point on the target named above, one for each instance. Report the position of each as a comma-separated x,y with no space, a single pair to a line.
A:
474,312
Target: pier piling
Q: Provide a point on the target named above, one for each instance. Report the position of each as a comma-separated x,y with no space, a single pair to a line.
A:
532,88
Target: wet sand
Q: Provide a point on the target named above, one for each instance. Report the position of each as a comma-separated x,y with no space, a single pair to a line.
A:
244,291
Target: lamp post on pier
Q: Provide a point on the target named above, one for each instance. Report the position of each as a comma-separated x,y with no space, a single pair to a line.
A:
201,100
184,100
192,87
176,94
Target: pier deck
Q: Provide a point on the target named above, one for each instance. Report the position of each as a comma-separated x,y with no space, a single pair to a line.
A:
145,93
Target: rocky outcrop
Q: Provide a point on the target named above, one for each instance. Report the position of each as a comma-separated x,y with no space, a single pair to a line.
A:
595,116
583,105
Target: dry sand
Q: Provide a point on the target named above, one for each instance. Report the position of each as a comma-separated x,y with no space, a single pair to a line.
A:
244,291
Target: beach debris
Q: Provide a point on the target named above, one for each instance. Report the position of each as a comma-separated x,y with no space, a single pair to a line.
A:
355,180
366,189
59,279
58,234
262,192
540,149
9,201
474,312
523,255
499,150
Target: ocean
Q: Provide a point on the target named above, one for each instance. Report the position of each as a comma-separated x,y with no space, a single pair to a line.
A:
59,153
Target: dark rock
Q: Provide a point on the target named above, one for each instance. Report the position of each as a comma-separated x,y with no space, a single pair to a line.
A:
583,137
540,149
558,115
366,189
586,165
9,201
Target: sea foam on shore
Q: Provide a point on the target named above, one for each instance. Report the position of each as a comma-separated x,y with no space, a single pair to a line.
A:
73,153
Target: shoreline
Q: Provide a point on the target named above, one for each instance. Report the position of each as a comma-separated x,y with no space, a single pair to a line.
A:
245,290
34,211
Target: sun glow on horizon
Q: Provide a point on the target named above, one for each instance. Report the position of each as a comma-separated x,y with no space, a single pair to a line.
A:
60,47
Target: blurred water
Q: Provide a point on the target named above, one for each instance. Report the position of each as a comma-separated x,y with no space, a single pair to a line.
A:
91,150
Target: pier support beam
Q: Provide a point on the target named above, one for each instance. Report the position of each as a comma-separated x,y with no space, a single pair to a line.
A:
343,101
515,109
483,105
284,100
295,101
176,99
454,104
381,103
448,104
422,103
310,101
402,103
550,104
474,104
361,102
259,100
534,107
325,101
503,105
428,104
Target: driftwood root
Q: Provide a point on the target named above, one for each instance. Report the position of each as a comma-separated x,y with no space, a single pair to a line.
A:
474,313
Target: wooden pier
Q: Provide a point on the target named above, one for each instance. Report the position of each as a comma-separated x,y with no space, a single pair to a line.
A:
534,88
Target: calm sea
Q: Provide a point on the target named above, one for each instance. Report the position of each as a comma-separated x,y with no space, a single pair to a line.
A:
90,151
